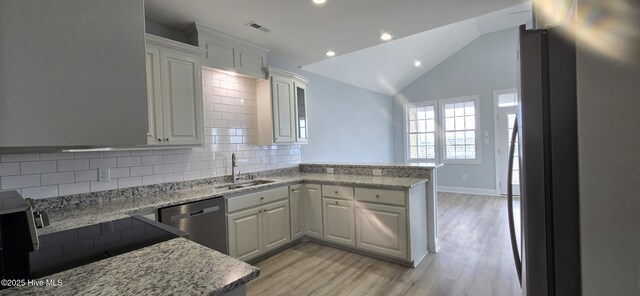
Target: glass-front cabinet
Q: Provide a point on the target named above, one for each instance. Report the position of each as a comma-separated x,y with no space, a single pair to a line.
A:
282,108
302,132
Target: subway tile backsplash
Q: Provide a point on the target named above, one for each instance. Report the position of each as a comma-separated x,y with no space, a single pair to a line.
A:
230,125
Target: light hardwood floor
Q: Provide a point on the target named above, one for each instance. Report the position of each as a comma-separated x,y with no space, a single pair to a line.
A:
474,259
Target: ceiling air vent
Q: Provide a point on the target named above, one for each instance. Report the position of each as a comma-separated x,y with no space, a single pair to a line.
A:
258,26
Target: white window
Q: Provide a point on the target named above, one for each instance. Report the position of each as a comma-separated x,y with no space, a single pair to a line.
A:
421,127
460,136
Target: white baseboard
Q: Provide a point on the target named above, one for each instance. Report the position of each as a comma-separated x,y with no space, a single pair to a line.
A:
466,190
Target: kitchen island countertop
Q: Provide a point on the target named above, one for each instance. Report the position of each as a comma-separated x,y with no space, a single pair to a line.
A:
176,266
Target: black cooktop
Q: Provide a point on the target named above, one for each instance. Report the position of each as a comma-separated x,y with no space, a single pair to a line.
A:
76,247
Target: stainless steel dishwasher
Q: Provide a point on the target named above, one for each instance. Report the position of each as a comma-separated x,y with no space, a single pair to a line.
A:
205,222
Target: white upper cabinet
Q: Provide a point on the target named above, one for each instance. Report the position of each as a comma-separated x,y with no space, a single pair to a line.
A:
154,90
72,74
302,127
228,53
282,113
174,87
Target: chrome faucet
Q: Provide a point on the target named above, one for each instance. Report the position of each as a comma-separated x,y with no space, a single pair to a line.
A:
233,167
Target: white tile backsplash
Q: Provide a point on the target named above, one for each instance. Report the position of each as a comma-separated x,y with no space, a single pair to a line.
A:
230,125
73,165
38,167
9,169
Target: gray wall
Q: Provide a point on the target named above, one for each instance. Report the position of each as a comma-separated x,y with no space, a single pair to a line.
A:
609,141
346,123
488,63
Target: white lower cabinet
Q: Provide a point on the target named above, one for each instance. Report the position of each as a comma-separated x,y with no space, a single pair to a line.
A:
259,229
382,229
312,205
244,234
275,225
339,221
297,211
389,223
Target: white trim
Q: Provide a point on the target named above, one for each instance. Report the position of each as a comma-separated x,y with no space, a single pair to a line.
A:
496,132
405,135
466,190
443,145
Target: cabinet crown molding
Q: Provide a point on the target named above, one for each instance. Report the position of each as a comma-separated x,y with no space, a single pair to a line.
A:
283,73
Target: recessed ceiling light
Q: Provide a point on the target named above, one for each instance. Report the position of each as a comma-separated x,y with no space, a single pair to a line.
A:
417,63
385,37
319,1
331,53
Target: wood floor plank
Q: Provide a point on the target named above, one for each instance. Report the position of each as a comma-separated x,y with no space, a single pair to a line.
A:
474,259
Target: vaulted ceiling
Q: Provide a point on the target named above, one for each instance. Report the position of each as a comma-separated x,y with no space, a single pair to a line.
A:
302,32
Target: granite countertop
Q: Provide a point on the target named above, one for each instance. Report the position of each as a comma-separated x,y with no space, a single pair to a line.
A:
177,266
112,210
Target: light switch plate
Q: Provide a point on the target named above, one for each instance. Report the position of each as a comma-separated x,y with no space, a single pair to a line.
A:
377,172
329,170
104,175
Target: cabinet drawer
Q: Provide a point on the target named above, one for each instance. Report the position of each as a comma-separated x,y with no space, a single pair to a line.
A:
256,199
392,197
342,192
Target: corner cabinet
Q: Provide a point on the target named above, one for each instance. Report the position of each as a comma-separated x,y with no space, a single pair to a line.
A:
312,208
282,109
174,93
295,204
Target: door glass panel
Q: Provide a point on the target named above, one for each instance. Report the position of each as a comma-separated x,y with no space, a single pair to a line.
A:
511,118
302,112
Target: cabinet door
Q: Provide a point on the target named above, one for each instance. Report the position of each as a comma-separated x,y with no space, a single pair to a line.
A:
219,54
282,102
244,234
182,99
382,229
248,62
275,225
295,202
339,221
312,205
302,128
154,96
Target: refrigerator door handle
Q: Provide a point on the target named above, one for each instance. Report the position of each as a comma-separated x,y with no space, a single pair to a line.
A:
512,230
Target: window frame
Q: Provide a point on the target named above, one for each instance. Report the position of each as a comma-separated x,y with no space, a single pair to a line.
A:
477,129
407,146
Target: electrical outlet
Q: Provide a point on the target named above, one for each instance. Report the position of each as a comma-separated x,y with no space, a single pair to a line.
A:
464,177
329,170
377,172
104,175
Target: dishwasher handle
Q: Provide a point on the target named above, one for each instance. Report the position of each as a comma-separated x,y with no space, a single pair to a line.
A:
195,214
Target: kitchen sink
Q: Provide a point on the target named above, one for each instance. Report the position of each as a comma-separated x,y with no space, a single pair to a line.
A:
244,184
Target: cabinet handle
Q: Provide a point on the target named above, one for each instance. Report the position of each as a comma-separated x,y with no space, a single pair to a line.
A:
167,139
377,195
336,202
336,192
262,197
159,140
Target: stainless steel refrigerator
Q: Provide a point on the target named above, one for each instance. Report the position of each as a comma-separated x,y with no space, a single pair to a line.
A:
548,261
